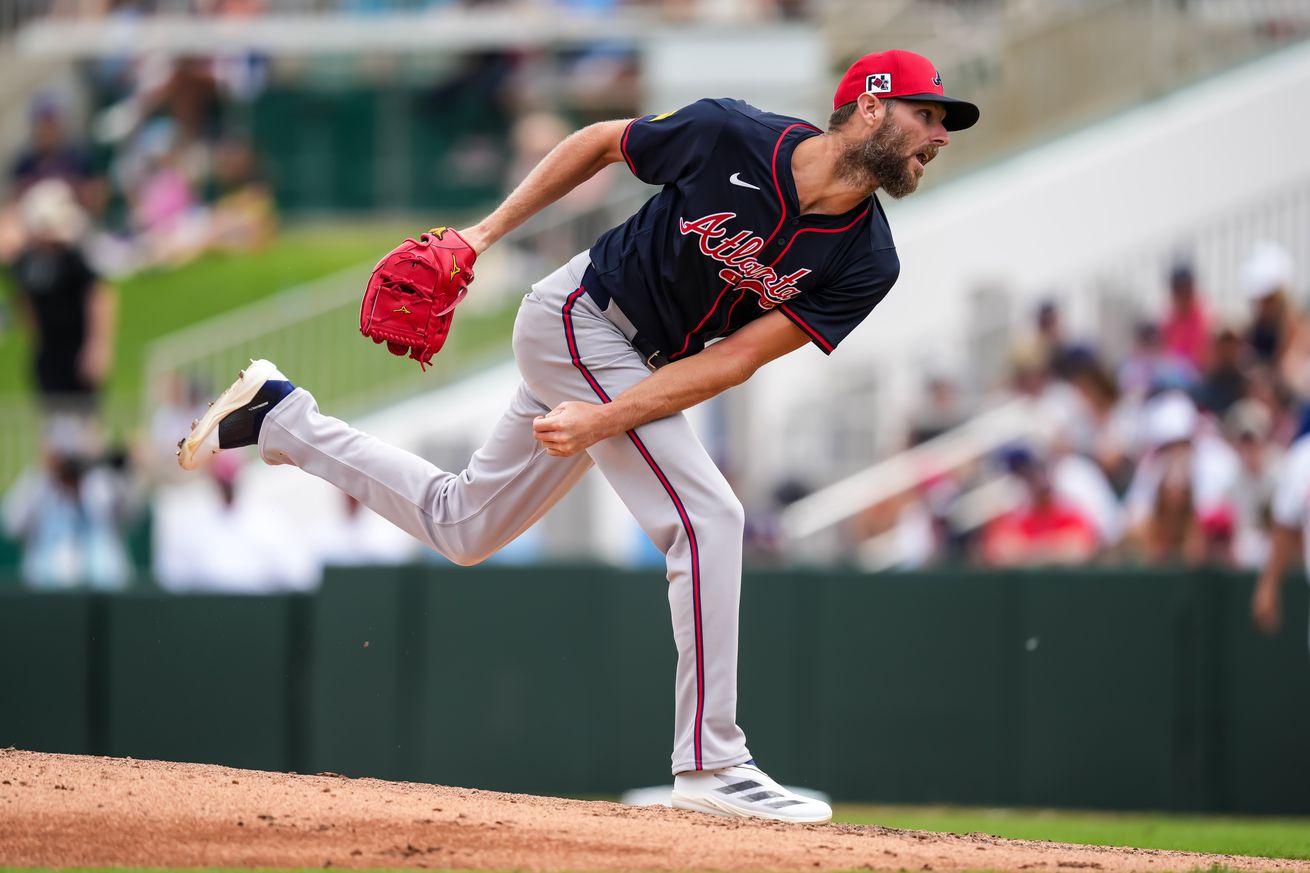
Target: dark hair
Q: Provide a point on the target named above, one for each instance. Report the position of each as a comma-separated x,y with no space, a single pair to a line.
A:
843,113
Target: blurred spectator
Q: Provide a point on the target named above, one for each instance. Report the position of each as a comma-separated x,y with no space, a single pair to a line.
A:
360,537
69,512
231,8
1171,532
1180,506
1291,531
1044,530
1030,377
1150,367
190,97
1266,278
763,536
916,527
166,216
243,218
1050,339
171,222
1081,482
918,536
50,153
176,401
927,527
72,313
941,410
223,544
1270,268
1226,378
1094,422
1248,426
1185,330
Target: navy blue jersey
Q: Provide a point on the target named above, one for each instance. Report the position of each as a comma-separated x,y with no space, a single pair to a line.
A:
725,243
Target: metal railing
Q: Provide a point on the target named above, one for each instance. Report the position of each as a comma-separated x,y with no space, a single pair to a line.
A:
842,500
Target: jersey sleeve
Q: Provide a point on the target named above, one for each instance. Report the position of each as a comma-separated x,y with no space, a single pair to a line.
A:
660,149
828,314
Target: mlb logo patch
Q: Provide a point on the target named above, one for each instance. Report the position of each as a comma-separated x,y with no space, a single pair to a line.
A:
878,83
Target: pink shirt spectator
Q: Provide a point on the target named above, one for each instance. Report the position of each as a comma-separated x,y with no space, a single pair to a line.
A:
1186,329
165,198
1186,334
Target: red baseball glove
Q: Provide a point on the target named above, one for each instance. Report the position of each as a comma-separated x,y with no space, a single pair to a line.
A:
411,296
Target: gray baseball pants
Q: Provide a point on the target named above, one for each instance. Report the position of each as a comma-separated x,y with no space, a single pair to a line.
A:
567,349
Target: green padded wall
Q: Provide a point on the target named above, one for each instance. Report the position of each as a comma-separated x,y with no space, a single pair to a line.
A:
49,649
1103,689
205,678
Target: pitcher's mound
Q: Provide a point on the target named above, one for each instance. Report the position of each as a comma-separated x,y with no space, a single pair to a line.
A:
71,810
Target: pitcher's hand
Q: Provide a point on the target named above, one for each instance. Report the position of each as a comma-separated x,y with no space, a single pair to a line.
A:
571,427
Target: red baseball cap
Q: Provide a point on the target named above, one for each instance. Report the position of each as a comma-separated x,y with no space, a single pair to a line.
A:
905,76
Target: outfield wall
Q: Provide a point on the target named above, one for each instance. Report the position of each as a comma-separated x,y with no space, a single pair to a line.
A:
1125,690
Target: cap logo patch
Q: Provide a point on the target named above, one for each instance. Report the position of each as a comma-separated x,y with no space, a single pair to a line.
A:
878,83
937,79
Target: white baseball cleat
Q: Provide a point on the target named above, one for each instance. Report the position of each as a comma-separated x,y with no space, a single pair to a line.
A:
745,791
235,417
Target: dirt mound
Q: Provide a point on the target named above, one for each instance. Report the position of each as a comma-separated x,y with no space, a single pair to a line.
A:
70,810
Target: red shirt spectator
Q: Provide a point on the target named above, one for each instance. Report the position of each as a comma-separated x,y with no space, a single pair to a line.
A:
1043,532
1051,534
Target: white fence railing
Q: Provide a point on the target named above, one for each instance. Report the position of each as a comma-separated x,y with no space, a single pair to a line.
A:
807,520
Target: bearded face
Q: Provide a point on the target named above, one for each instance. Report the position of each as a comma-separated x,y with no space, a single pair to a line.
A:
888,159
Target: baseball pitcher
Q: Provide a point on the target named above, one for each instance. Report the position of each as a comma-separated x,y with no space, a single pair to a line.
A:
766,234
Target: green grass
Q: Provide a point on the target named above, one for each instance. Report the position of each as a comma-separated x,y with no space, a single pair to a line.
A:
1227,835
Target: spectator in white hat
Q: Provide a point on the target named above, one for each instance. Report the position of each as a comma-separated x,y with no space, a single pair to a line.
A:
1265,279
1182,494
1248,426
71,310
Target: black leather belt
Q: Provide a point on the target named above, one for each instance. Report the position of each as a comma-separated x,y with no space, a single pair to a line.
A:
650,353
653,357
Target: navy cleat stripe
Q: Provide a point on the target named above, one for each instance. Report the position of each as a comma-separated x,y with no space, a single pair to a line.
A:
241,426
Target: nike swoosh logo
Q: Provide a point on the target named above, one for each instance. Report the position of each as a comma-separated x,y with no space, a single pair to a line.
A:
735,179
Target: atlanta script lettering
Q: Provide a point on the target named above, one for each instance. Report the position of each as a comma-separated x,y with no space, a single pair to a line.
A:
737,254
